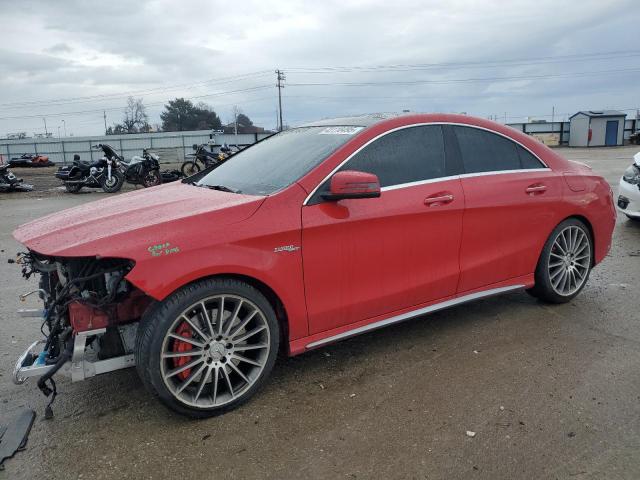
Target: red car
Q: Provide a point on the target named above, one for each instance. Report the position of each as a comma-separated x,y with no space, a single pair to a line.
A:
308,237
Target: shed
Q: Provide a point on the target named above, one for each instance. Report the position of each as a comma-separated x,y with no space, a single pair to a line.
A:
597,128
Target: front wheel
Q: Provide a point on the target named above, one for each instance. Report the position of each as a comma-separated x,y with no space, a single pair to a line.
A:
113,184
189,168
564,264
208,347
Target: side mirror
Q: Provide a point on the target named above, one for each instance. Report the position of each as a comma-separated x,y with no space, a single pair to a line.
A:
194,146
353,184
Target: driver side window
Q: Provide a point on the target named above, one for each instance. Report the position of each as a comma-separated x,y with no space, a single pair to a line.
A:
411,154
408,155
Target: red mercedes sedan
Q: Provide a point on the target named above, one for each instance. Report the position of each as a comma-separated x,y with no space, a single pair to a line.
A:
308,237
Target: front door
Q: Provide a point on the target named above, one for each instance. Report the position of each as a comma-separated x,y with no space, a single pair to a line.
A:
611,134
368,257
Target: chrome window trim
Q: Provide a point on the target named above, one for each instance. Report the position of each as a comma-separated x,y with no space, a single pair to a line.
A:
500,172
408,315
432,180
419,182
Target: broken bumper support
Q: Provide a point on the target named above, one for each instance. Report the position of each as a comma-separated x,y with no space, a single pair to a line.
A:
80,367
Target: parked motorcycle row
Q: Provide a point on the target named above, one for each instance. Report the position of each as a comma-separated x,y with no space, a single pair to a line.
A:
203,158
111,171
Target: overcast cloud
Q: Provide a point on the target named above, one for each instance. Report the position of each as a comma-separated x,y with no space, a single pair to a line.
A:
54,53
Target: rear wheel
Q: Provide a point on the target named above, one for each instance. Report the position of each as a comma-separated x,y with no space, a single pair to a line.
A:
208,347
189,168
565,263
152,178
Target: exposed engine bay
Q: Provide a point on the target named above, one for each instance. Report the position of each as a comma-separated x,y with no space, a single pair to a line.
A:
89,319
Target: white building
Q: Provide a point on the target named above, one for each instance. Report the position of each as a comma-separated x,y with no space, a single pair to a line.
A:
597,128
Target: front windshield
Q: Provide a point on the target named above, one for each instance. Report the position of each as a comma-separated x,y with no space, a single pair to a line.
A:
277,161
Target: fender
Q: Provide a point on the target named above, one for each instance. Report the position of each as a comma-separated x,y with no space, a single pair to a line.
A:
283,275
273,258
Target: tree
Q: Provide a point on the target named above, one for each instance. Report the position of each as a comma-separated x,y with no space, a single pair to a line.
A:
181,114
135,119
135,116
243,121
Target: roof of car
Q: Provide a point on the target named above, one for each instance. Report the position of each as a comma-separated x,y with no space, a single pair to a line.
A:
356,120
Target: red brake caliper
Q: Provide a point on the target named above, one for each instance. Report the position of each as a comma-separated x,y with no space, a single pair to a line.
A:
184,330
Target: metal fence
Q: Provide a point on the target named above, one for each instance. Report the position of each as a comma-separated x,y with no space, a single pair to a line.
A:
171,146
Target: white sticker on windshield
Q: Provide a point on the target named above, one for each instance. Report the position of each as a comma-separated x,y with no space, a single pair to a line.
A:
340,130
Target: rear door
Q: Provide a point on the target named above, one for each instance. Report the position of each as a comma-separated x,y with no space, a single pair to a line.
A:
510,195
368,257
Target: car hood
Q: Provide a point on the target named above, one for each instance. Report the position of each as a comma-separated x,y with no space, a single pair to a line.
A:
120,225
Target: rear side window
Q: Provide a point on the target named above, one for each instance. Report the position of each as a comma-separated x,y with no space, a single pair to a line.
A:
484,151
527,159
408,155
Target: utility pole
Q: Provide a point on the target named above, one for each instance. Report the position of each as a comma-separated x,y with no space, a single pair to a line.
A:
45,126
235,121
104,112
553,114
64,125
280,77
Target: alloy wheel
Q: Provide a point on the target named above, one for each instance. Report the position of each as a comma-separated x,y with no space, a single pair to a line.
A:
215,351
569,260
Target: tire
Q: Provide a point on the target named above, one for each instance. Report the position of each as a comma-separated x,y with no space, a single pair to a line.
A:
189,168
152,178
565,263
73,187
117,180
217,366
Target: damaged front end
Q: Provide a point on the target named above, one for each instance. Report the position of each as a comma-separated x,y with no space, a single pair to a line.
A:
89,320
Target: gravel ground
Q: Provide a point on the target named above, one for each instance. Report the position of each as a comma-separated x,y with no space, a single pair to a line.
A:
551,391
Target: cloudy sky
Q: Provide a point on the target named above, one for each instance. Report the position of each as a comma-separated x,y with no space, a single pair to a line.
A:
68,61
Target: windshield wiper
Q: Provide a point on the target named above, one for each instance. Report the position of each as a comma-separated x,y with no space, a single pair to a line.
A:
222,188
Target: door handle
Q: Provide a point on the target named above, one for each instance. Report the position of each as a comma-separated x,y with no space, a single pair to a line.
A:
535,189
438,199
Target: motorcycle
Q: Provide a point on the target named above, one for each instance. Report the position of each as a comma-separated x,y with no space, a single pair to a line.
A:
143,170
10,183
203,158
29,160
104,173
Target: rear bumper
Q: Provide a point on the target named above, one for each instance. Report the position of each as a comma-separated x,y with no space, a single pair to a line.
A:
628,199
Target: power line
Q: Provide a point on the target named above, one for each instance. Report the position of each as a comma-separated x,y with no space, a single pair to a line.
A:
464,80
167,88
336,69
62,114
477,63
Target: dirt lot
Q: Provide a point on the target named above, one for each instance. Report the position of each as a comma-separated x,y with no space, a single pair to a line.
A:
551,392
46,184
